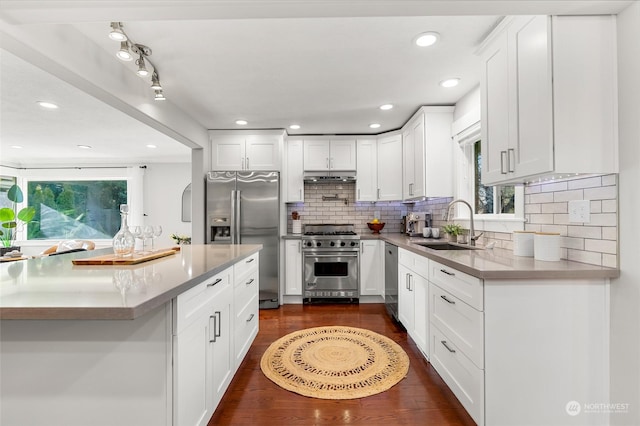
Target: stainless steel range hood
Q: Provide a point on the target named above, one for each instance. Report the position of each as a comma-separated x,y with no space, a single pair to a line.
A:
329,177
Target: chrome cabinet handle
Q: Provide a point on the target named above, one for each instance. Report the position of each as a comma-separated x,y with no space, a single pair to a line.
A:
217,329
300,192
327,162
378,193
447,300
250,281
511,153
214,283
331,163
447,272
444,343
410,189
251,317
503,155
250,260
410,282
247,161
358,193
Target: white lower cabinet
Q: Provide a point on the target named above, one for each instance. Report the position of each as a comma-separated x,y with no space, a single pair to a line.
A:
371,268
413,303
293,267
215,323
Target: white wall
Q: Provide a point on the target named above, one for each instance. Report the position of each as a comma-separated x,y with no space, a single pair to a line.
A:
625,291
163,187
469,103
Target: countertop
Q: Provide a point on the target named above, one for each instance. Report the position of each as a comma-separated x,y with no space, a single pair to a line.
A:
498,263
53,288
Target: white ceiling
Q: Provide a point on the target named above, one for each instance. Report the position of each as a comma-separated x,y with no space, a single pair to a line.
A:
329,74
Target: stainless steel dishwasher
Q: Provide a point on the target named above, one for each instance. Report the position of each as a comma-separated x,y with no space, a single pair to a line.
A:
391,279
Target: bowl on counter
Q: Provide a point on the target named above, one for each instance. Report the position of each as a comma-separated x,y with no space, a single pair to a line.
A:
376,227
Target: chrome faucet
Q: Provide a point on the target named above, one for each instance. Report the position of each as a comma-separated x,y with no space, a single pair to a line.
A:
472,232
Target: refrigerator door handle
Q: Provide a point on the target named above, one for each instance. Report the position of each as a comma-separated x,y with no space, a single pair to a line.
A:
238,211
234,221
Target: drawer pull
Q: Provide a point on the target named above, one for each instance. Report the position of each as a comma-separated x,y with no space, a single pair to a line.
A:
444,271
250,281
251,317
214,283
444,343
250,260
447,300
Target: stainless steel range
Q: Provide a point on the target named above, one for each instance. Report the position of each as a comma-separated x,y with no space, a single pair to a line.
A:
330,260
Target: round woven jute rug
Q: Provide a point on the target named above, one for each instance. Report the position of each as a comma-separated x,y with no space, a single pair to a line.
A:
335,362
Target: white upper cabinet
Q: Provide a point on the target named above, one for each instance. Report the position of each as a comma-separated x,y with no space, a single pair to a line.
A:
427,151
389,168
548,90
294,175
245,151
367,170
329,155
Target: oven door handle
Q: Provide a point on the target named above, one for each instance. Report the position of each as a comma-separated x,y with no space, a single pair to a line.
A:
336,254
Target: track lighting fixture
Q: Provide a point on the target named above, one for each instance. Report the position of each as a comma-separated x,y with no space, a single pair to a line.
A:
124,52
129,49
116,32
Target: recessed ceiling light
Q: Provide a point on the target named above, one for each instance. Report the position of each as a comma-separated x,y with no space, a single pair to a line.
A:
374,125
241,122
294,126
386,107
16,147
427,39
47,105
450,82
84,146
151,146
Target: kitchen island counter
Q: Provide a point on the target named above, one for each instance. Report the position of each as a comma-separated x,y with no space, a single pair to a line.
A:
50,288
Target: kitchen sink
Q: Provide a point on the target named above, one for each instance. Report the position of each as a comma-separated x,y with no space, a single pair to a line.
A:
447,246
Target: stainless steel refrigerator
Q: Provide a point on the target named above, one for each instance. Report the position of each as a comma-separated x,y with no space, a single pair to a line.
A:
243,208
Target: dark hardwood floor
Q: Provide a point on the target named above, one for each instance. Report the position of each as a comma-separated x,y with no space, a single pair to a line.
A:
422,398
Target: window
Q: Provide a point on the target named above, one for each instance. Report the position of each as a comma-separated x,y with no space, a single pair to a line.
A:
490,199
87,209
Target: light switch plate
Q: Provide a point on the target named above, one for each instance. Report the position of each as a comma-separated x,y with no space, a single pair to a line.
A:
580,211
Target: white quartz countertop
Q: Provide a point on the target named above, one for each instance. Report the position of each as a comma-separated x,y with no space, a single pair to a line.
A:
498,263
53,288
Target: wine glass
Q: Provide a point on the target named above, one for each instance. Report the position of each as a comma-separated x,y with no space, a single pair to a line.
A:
147,232
137,233
157,231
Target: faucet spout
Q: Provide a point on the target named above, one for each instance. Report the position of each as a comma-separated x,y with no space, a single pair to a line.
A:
472,232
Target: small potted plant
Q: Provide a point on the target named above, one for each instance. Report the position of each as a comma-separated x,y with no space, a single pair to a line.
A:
452,230
11,218
181,239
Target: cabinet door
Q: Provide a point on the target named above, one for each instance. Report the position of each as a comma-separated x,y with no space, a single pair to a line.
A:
495,111
530,127
343,155
367,182
420,333
293,267
419,157
190,364
228,153
220,354
405,297
294,190
316,154
262,153
371,267
439,149
390,168
408,166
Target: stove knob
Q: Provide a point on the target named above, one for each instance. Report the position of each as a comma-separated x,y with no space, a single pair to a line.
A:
332,244
318,244
309,243
353,243
342,244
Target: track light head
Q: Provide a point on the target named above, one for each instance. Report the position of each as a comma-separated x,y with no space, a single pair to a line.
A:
124,53
116,32
142,69
159,96
155,81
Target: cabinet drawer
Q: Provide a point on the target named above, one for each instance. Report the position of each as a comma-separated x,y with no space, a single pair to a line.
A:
463,324
417,263
462,376
245,290
193,302
245,267
246,328
465,287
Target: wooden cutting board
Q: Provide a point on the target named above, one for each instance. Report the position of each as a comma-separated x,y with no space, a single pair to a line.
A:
111,259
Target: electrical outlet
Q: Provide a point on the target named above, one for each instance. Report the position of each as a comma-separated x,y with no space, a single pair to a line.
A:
376,214
580,211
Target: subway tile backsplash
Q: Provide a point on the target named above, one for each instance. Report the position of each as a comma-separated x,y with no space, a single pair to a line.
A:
546,210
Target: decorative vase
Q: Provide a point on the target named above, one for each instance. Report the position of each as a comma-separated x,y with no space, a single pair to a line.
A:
5,250
124,242
452,238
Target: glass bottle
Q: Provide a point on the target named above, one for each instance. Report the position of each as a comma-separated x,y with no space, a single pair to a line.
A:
124,242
